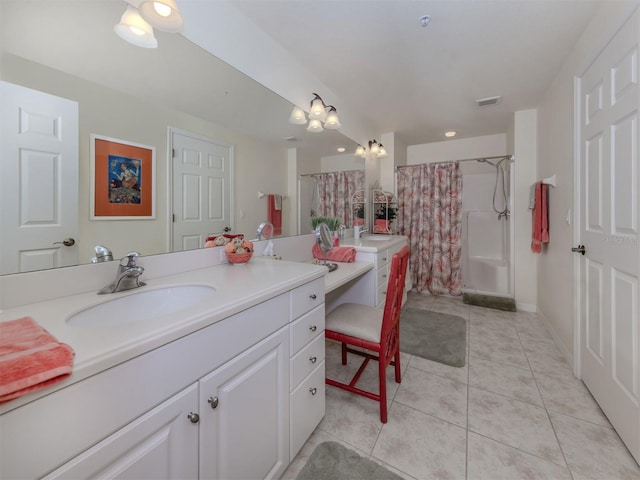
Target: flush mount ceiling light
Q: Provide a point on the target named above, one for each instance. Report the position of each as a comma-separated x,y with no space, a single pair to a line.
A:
137,22
450,134
321,116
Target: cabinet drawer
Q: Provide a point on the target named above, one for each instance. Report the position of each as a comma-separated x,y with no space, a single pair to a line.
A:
306,360
307,408
306,328
382,258
382,276
306,297
381,295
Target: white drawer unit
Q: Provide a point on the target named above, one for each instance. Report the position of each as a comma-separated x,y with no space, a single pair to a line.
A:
383,267
306,382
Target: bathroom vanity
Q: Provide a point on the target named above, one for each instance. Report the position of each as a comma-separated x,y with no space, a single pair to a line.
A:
230,387
229,384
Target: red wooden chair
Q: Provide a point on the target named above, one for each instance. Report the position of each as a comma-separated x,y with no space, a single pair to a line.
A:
374,330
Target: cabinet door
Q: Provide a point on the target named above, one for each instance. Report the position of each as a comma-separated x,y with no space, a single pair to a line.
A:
162,444
244,406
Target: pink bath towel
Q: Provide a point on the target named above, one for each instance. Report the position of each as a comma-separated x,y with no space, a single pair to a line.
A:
30,358
540,219
336,254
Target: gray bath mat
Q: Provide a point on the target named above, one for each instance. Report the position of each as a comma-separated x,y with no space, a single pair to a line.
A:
434,336
332,461
490,301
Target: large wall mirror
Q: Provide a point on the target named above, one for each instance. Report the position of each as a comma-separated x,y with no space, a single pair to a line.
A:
69,49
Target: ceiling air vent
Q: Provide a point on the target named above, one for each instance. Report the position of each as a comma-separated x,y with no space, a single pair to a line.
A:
483,102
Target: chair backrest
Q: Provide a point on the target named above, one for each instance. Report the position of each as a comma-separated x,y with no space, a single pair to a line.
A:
395,292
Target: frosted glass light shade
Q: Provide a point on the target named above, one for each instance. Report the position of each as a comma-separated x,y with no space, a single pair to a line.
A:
135,30
374,148
162,14
297,116
332,122
317,110
315,126
382,152
360,151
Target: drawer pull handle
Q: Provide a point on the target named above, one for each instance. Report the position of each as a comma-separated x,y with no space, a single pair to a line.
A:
193,417
313,296
384,259
313,328
313,390
313,359
213,401
384,276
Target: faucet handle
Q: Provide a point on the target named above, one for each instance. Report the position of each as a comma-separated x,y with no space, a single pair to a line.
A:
130,258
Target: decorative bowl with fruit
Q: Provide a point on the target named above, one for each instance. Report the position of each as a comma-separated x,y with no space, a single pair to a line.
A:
239,251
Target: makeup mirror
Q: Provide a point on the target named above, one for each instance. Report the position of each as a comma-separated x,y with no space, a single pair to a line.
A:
325,241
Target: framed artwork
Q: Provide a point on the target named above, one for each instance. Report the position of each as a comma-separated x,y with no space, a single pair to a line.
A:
122,180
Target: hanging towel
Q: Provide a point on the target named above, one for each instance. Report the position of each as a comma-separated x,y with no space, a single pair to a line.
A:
30,358
275,214
532,196
540,218
277,200
336,254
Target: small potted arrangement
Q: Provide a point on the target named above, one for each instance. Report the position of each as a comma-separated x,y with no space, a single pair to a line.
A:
332,222
384,216
239,250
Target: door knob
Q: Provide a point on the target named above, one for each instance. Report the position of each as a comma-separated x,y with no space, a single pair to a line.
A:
579,249
67,242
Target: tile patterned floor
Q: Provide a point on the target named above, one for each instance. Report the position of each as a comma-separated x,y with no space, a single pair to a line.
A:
515,411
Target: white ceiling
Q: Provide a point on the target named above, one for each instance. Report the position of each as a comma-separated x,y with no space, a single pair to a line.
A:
372,54
422,81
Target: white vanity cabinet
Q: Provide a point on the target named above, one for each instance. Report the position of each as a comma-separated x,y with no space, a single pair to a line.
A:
244,414
307,373
382,265
213,404
162,443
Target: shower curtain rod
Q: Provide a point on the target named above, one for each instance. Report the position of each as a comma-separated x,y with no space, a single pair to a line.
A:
324,173
478,159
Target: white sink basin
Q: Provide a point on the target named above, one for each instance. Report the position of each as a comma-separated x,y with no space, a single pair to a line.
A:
141,305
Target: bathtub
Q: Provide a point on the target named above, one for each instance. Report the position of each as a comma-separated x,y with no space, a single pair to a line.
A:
485,249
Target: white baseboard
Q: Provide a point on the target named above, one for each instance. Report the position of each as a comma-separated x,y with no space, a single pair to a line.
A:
568,356
526,307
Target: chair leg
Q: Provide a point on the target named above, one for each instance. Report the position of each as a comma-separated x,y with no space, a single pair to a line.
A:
383,390
396,359
344,353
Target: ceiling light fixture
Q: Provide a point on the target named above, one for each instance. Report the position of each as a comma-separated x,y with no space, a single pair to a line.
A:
135,30
376,150
321,116
450,134
137,22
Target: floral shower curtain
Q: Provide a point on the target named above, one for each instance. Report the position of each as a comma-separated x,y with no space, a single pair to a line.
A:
430,214
335,190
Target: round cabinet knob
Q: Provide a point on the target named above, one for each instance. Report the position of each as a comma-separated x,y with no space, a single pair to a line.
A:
213,401
313,328
313,390
313,359
313,296
193,417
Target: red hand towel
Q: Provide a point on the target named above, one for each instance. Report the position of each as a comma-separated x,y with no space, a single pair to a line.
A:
274,215
30,358
336,254
540,219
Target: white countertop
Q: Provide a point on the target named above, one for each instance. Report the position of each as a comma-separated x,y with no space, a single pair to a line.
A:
373,243
346,272
238,287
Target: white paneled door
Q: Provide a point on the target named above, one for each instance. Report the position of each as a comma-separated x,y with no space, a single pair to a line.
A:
202,189
609,223
38,180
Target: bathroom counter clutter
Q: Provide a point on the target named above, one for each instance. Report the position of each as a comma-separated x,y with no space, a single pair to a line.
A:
98,347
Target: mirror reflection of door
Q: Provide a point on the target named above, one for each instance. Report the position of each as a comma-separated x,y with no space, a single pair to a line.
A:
39,168
201,189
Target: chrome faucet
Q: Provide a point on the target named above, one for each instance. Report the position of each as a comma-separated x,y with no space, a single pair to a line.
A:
127,277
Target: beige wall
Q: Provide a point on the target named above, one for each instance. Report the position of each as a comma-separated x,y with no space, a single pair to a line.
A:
556,279
258,166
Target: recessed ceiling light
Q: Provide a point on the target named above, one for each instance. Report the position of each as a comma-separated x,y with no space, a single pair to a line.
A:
450,134
341,149
424,20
